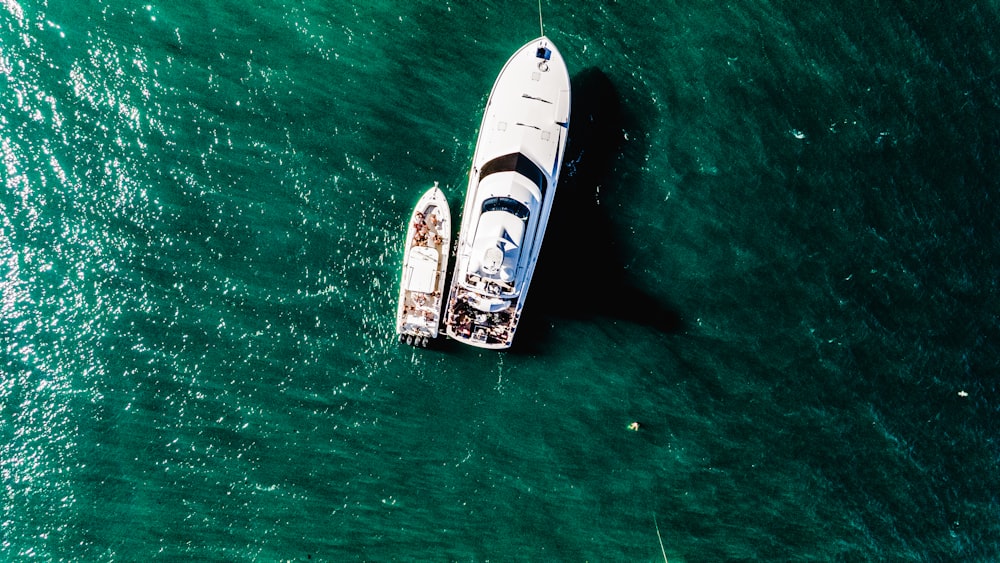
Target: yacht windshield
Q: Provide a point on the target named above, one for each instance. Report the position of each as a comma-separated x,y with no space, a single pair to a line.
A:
508,204
515,162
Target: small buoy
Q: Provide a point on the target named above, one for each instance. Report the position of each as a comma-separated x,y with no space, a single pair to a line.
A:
634,427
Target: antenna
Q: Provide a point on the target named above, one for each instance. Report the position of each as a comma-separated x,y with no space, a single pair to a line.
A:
540,24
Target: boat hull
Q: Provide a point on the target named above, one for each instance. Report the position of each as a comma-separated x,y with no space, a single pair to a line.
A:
512,185
425,263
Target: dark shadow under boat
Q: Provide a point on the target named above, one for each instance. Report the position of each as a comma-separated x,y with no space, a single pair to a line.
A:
601,284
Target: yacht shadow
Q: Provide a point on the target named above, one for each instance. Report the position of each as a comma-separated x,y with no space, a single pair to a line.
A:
581,270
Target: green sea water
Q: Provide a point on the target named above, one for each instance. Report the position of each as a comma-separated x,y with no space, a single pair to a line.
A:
775,245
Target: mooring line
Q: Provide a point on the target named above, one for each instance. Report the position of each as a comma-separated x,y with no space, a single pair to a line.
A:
659,537
541,26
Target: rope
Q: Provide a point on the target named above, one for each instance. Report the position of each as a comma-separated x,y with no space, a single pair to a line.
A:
659,537
540,25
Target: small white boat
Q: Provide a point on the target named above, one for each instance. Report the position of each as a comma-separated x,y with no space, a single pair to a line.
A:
425,262
512,184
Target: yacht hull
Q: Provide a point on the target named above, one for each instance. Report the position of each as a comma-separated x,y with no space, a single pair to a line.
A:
512,185
425,263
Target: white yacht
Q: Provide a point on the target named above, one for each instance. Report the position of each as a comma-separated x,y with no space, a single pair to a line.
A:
425,262
512,183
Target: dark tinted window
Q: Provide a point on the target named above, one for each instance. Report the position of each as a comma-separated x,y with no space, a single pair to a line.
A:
515,162
510,205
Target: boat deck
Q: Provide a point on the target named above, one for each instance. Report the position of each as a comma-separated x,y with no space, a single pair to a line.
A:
470,324
421,297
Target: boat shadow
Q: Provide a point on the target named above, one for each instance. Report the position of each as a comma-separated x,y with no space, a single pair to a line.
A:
581,271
